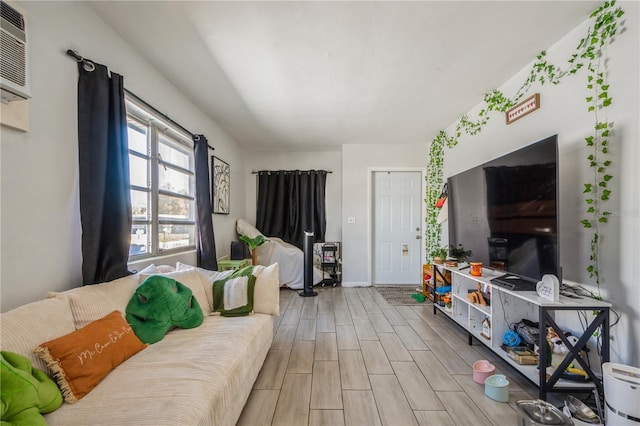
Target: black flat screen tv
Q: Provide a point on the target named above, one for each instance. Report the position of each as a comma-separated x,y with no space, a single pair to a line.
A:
506,212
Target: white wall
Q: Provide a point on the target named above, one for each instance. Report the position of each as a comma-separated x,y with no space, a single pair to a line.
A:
357,162
564,111
294,160
40,214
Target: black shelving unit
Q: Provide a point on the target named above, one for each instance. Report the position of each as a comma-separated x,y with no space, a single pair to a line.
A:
330,263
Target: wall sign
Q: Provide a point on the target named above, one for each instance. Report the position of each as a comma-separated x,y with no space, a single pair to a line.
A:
525,107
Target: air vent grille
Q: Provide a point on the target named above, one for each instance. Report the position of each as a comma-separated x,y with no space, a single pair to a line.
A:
11,15
13,60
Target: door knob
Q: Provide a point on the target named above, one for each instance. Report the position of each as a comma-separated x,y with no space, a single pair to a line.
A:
418,237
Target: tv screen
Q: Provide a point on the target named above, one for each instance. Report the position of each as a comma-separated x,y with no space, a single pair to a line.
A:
506,211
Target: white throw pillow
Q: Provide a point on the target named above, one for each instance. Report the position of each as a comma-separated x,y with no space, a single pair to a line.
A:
27,326
207,278
191,279
149,270
266,295
89,303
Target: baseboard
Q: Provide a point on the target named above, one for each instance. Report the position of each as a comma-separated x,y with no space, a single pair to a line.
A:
355,284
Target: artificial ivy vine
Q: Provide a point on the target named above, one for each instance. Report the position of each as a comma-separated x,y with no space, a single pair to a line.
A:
590,52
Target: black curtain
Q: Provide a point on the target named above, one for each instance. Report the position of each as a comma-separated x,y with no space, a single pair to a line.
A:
291,202
206,242
105,200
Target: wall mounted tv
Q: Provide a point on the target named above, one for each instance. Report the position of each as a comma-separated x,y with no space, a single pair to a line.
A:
506,212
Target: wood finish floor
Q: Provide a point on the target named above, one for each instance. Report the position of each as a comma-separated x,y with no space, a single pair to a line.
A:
347,357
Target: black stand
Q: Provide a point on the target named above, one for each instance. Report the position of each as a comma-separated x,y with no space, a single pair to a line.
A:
308,266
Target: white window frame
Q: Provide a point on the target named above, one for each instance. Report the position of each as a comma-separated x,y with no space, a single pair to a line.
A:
157,128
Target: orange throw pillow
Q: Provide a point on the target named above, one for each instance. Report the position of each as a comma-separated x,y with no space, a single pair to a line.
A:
80,360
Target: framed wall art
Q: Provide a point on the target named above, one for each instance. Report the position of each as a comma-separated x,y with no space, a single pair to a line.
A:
220,185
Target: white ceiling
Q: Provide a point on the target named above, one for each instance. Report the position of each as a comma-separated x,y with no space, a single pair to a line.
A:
315,75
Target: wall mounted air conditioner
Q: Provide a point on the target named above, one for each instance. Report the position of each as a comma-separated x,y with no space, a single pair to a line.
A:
14,63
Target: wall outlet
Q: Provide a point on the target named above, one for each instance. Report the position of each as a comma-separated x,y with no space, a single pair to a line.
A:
351,219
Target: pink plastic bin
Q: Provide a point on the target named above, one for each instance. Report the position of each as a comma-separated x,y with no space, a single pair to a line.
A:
481,370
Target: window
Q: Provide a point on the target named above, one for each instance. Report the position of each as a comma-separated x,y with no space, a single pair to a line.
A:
161,168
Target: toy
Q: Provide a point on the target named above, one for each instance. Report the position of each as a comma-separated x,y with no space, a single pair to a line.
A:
26,391
160,304
559,351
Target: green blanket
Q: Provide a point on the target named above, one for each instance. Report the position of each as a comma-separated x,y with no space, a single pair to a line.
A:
233,296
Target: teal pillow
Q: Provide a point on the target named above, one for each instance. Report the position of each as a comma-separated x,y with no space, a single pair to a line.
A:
159,304
233,296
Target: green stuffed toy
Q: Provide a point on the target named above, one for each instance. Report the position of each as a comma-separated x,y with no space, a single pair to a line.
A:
160,304
26,391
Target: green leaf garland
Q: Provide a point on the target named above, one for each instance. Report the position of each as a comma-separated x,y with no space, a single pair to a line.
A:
590,53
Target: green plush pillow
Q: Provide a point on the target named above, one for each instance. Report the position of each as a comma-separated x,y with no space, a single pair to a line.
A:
233,296
159,304
26,391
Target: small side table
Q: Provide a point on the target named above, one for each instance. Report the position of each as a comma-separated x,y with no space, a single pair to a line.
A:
225,265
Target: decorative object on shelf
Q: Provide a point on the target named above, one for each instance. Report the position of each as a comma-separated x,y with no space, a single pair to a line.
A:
439,255
442,197
476,269
486,328
591,53
220,185
525,107
451,263
549,288
459,253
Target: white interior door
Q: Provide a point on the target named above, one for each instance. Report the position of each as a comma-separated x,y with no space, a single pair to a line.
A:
397,239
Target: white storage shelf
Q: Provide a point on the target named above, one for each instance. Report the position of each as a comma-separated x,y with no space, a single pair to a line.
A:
506,307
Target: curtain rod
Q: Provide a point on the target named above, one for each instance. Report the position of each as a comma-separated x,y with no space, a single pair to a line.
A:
269,171
89,66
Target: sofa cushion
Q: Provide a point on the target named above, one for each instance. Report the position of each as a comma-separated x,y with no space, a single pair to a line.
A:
266,298
198,376
25,327
81,359
190,279
92,302
207,278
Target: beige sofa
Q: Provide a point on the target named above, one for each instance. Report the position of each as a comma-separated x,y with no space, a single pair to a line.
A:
200,376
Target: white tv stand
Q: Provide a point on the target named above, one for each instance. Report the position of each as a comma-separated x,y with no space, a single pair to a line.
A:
508,307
